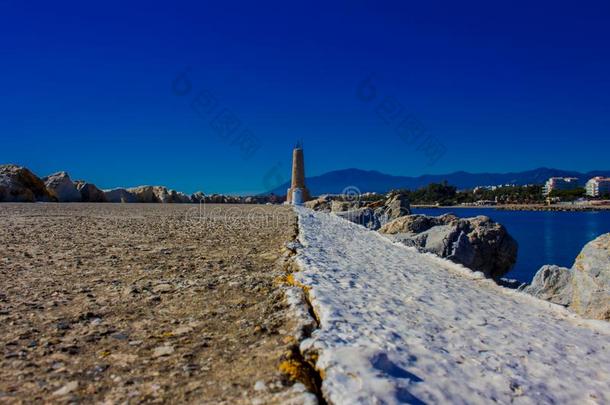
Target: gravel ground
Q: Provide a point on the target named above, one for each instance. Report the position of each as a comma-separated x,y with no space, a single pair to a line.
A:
155,303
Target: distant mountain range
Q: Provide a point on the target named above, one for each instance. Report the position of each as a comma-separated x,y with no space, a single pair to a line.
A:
373,181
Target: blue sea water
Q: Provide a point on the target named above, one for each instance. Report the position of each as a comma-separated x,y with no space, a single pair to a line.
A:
544,237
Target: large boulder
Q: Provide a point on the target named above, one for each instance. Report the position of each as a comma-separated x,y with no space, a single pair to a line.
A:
585,288
322,203
151,194
162,194
362,216
144,194
158,194
372,214
215,199
414,224
477,243
178,197
552,283
343,206
396,206
119,195
383,211
591,286
18,184
198,197
89,192
62,187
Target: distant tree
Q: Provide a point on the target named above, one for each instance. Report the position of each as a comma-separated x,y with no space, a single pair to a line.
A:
505,194
568,195
434,193
445,194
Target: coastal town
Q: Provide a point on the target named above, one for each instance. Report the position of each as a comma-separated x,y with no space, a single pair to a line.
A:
557,193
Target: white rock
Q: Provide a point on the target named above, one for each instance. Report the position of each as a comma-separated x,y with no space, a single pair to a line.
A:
62,186
162,288
163,351
260,386
183,330
119,195
66,389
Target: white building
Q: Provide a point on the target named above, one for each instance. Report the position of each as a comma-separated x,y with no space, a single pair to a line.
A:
560,183
598,186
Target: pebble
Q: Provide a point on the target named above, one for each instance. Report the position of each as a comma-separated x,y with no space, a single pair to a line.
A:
162,288
154,299
260,386
66,389
121,336
123,359
183,330
163,351
62,325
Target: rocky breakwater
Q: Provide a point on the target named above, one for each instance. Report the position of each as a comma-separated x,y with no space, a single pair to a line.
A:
477,243
18,184
147,194
370,214
584,288
158,194
119,195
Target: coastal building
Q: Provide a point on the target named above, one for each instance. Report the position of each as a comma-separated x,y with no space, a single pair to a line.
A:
492,188
598,186
479,189
560,183
297,193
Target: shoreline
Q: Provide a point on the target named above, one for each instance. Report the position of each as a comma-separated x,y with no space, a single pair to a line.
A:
525,207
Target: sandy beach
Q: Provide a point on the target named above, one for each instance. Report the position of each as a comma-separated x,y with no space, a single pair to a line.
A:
158,303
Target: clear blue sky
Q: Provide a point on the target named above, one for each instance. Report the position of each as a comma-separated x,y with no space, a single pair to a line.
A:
88,87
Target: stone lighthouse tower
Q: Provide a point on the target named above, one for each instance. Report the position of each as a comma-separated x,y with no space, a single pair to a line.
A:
297,193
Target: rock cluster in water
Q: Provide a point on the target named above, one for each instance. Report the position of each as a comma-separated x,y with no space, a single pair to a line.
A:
18,184
477,243
584,288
